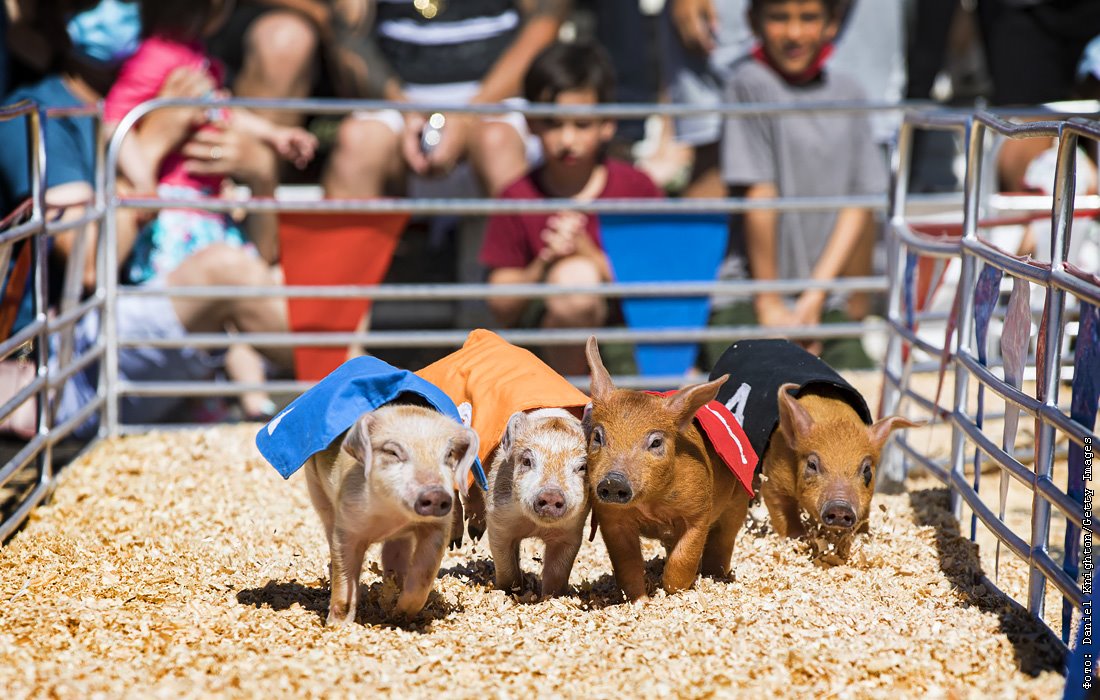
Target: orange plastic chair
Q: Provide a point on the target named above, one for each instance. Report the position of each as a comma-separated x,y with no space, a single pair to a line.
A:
333,249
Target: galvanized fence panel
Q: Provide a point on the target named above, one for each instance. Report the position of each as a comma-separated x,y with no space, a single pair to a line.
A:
962,349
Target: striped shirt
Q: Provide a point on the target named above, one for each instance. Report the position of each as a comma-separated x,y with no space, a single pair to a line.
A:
458,45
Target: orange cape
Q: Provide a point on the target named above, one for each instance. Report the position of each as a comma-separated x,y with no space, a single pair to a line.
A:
497,379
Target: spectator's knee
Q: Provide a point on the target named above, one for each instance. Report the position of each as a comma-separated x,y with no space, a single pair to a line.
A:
222,264
284,43
574,309
495,137
366,142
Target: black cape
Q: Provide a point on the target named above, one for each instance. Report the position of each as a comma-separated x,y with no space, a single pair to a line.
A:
757,369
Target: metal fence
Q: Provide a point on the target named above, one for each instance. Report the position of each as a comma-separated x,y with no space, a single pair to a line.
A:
905,242
27,476
1069,300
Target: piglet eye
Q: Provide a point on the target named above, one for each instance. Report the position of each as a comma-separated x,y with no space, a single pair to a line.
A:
597,437
813,465
582,467
525,461
390,451
656,442
867,472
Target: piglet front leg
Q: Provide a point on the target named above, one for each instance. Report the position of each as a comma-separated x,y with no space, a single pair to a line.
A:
557,562
431,541
347,553
624,546
683,561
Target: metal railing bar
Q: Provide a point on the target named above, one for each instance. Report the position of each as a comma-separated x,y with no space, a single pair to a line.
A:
914,340
22,458
994,524
58,377
20,232
933,467
20,397
1072,510
66,428
56,227
1055,574
1017,268
926,245
448,338
457,292
1075,286
1009,393
75,314
26,334
484,206
41,490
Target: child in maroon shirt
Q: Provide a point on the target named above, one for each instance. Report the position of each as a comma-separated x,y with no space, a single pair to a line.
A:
562,248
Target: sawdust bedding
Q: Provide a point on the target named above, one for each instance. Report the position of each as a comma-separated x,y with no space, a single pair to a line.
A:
181,565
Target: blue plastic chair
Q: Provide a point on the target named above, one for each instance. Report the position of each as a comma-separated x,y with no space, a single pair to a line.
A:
665,248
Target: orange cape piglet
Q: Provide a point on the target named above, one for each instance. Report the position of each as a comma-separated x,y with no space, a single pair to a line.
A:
496,379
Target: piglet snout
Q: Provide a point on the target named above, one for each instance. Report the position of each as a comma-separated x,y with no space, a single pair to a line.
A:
838,514
550,503
614,488
433,501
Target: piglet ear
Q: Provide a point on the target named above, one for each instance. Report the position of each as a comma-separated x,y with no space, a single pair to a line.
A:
880,431
601,380
795,421
687,402
463,452
586,420
357,441
515,424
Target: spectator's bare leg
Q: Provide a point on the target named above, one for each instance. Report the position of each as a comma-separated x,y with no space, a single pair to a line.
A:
706,173
280,58
573,311
859,265
243,364
366,157
223,265
497,154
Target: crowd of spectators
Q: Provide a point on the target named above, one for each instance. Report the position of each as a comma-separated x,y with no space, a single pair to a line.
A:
72,53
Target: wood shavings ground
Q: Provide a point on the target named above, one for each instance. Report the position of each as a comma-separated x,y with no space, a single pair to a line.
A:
181,565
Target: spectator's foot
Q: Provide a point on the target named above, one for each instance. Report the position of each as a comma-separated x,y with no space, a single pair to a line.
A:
257,407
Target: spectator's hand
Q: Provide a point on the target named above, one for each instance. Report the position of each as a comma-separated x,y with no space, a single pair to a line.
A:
807,312
184,82
809,307
696,22
410,143
771,310
565,235
452,144
219,150
294,144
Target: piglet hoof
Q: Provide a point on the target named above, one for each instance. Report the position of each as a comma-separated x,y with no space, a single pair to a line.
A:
338,617
476,529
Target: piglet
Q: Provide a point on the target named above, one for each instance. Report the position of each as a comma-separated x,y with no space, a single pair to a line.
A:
654,475
390,479
537,489
821,462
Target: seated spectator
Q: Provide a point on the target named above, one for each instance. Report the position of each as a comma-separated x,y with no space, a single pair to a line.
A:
70,176
444,53
562,248
172,32
799,155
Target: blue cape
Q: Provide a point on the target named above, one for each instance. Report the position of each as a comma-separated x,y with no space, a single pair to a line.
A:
313,420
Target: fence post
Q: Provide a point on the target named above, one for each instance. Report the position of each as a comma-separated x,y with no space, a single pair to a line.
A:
1065,180
975,137
893,466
